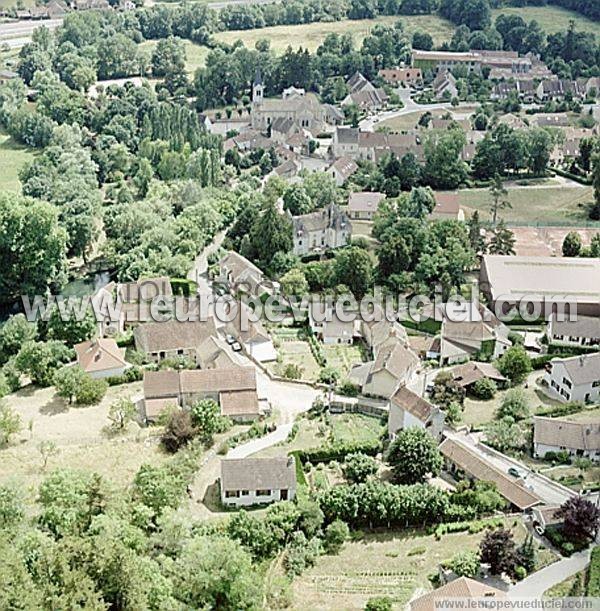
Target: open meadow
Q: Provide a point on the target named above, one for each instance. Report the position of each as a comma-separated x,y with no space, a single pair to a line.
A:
310,36
13,157
551,18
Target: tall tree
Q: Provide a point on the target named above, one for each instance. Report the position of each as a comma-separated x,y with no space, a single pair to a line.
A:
499,198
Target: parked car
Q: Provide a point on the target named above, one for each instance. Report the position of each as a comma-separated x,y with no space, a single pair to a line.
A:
236,347
230,339
514,472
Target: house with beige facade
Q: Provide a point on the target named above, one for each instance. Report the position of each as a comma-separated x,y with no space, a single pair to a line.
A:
577,439
321,230
407,409
101,358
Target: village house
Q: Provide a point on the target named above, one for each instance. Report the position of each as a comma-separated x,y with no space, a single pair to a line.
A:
101,358
241,275
407,409
548,284
393,366
464,461
364,94
576,378
447,207
363,205
578,439
144,289
328,327
172,339
250,333
461,588
584,331
320,230
233,388
545,515
7,75
471,330
513,121
444,86
376,332
341,170
467,374
413,77
550,119
257,481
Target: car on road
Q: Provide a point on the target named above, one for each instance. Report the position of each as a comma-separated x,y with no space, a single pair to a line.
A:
230,339
514,472
236,347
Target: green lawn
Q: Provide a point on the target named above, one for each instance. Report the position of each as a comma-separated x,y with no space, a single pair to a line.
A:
551,18
12,158
545,205
310,36
343,358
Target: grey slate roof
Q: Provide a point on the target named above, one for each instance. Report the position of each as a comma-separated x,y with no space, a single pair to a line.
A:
276,473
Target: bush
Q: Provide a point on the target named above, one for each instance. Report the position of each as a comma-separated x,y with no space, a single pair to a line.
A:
358,467
348,389
179,430
132,374
484,389
520,573
465,564
381,603
338,450
593,582
336,535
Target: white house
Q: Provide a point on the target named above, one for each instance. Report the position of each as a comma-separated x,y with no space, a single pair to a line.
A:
585,331
363,205
101,358
328,327
257,481
407,409
575,379
561,435
320,230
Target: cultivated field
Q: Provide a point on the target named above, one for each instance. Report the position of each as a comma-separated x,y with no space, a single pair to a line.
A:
394,564
310,36
13,157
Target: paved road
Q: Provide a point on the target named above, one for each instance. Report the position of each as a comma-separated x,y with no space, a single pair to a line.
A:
536,584
550,492
18,33
410,106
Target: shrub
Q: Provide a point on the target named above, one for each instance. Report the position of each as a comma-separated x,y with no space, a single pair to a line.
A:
348,389
179,430
358,467
465,564
380,603
484,389
336,535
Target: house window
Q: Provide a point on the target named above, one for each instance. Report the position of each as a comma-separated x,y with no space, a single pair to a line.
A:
567,383
180,351
232,494
245,492
263,493
595,384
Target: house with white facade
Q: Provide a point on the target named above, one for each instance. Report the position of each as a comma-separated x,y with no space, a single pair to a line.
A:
320,230
328,326
364,204
575,379
257,481
584,331
241,275
101,358
578,439
341,170
407,409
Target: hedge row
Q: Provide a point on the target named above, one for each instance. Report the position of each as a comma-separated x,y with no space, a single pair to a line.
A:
563,349
338,451
593,583
580,179
133,374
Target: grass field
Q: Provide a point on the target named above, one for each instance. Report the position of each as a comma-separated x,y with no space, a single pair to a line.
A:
195,55
393,564
551,18
310,36
12,158
544,205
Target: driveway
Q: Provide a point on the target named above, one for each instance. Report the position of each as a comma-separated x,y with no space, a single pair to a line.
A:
536,584
550,492
410,106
